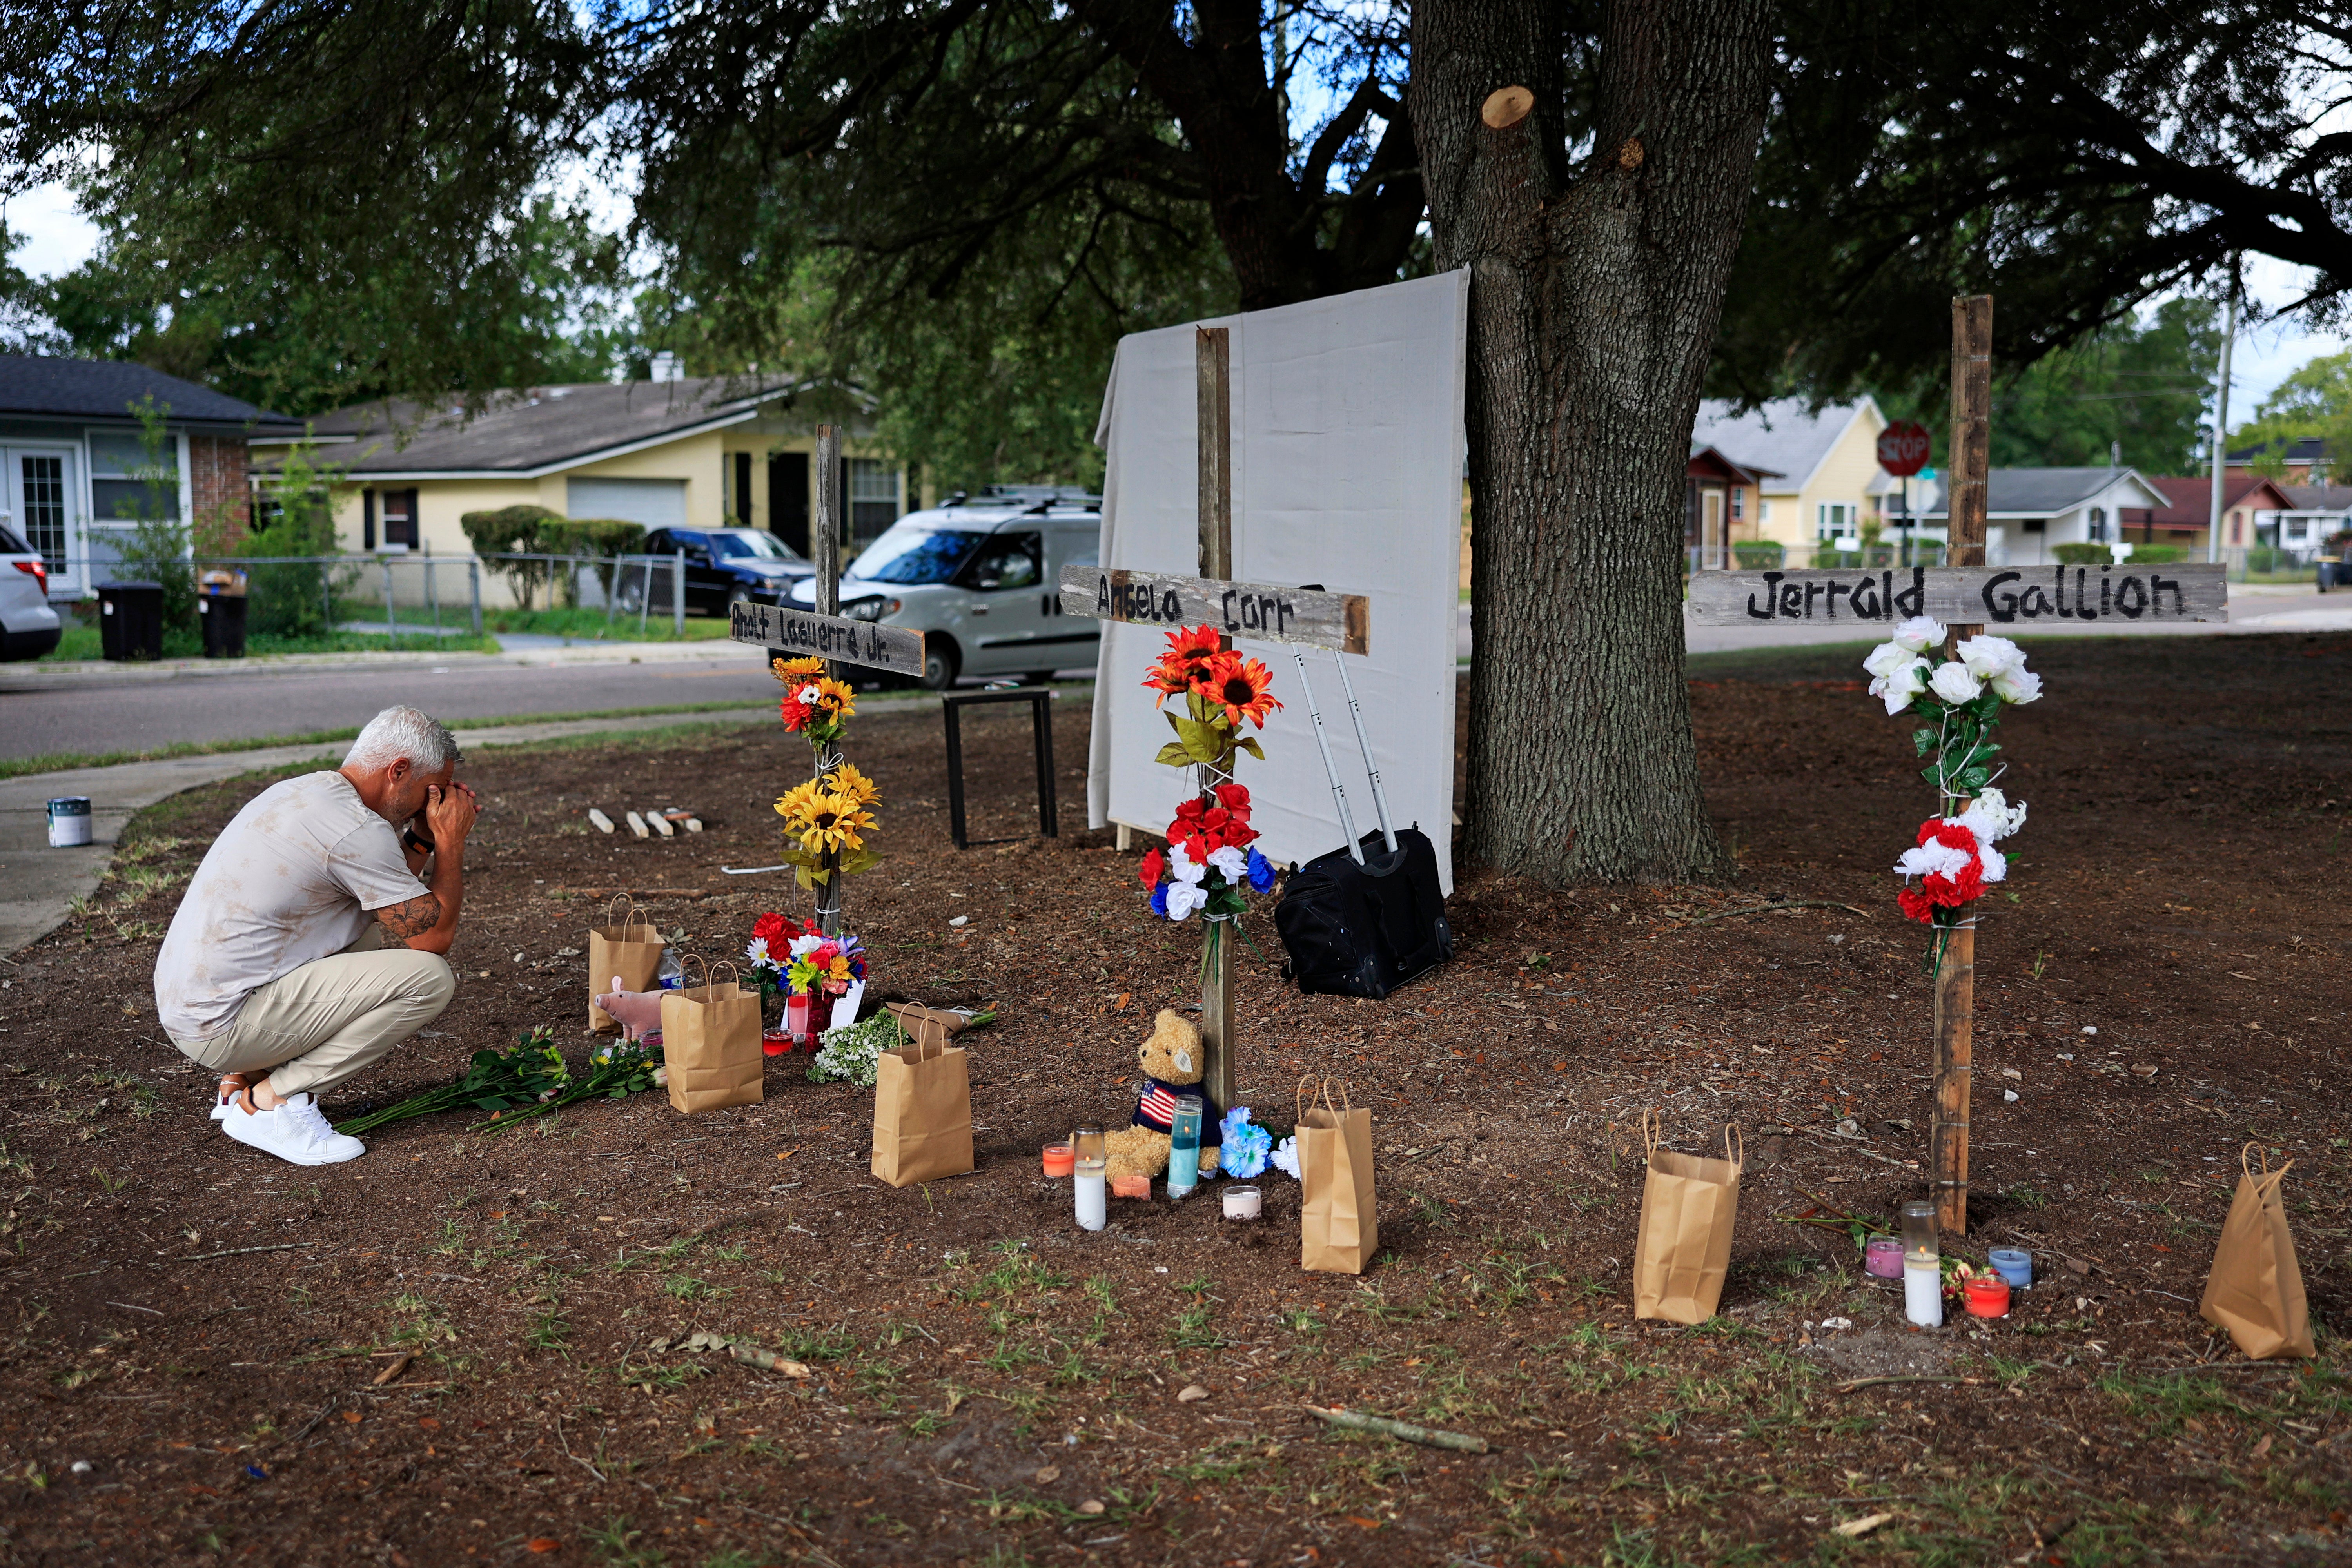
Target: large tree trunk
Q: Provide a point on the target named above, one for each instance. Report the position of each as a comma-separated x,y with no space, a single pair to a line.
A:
1595,296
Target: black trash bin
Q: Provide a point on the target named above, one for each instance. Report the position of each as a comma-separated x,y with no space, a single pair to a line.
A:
220,610
131,620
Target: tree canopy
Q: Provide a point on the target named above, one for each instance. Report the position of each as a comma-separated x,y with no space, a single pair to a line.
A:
962,203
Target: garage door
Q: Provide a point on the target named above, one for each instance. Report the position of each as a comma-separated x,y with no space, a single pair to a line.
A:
657,503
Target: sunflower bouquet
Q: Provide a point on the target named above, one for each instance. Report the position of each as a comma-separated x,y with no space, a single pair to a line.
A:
1209,863
827,818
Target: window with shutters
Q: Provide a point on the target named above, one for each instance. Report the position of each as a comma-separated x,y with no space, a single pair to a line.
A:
873,497
400,519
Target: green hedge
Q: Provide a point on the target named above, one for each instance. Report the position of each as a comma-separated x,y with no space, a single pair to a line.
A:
1764,556
529,530
2158,554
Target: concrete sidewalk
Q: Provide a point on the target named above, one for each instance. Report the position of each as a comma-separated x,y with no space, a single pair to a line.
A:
38,884
717,653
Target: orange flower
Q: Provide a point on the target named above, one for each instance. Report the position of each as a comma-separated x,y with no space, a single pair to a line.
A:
1185,663
1239,686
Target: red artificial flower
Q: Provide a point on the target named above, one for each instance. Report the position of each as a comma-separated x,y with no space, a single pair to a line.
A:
1953,892
1915,906
1192,810
1239,833
1206,845
1234,798
777,931
796,713
1149,872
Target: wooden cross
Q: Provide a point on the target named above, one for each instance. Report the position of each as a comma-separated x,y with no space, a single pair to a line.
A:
1257,611
1965,596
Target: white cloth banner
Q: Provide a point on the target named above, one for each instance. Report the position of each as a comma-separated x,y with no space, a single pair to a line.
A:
1348,453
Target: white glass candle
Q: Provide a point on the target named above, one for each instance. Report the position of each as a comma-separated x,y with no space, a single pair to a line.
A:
1923,1295
1242,1203
1093,1201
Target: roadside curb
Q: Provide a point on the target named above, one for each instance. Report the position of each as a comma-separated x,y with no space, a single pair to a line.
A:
86,674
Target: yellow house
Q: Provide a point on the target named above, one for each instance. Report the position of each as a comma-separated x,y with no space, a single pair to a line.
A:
1817,471
695,453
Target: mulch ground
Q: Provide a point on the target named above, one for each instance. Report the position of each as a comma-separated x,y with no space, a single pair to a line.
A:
474,1347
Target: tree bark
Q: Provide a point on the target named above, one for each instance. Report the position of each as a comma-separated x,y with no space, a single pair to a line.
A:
1594,295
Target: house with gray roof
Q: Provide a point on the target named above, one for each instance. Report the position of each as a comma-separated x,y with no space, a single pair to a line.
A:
691,453
2031,511
76,474
1815,472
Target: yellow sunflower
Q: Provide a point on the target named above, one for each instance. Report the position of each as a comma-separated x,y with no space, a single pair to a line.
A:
831,822
835,698
847,782
789,670
795,804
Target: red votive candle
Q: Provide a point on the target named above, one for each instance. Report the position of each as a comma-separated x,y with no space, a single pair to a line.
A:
776,1042
1988,1296
1060,1160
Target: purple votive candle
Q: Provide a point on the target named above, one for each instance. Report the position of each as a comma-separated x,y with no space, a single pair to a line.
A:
1883,1257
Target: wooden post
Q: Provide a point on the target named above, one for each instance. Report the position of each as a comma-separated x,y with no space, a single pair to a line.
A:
1956,974
824,551
1213,350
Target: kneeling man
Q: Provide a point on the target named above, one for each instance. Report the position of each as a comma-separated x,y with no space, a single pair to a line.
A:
306,946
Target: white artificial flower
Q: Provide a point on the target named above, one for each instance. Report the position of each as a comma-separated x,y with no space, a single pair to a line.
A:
1182,870
2020,686
1933,858
1920,633
1183,897
1897,687
1286,1157
808,695
1990,656
756,950
1886,658
804,945
1232,865
1990,816
1991,864
1954,684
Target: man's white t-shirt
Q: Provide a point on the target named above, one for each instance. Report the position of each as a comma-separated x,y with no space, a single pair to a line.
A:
291,879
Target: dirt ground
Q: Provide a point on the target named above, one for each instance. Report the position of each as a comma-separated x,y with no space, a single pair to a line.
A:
197,1338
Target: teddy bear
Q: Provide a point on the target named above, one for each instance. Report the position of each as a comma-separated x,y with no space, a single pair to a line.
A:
1172,1060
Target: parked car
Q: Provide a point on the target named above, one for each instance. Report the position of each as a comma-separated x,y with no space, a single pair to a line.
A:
29,627
723,566
977,577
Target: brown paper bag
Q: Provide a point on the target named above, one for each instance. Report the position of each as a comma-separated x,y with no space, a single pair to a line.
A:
923,1109
1684,1247
711,1043
1339,1223
2255,1291
631,950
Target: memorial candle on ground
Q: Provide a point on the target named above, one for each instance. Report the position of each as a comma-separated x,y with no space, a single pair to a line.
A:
1090,1159
1185,1146
1923,1266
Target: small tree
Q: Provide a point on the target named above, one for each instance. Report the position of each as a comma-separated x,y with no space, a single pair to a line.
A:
295,516
597,538
158,548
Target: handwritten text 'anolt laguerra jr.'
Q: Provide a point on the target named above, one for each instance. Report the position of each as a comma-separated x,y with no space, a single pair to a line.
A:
1994,595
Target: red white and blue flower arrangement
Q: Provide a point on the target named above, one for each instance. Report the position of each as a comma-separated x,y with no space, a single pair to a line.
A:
1209,861
1962,697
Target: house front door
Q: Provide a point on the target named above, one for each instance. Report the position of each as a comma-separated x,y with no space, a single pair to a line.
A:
39,499
1713,554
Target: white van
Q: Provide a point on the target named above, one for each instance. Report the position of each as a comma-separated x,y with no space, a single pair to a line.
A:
978,576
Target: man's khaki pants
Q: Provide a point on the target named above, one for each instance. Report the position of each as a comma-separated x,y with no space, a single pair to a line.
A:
329,1019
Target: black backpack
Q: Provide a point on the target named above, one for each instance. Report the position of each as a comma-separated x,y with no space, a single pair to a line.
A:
1364,930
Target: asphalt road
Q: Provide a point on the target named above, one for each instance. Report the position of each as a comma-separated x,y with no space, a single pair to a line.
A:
96,718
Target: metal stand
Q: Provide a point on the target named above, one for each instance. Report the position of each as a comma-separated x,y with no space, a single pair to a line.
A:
1041,722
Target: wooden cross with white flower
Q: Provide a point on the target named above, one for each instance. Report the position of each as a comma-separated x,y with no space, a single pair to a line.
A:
1940,665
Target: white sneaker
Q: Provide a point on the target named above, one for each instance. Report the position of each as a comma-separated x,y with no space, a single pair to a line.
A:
295,1132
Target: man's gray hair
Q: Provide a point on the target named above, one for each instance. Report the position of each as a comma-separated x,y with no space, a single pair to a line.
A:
403,733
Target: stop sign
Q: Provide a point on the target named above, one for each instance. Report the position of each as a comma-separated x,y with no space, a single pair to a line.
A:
1903,449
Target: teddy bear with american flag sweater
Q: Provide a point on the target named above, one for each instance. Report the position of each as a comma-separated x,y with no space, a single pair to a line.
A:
1173,1063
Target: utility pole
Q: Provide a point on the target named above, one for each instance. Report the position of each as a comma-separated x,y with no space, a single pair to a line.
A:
2221,419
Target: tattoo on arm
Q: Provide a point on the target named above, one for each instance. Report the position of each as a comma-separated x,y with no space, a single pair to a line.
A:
413,918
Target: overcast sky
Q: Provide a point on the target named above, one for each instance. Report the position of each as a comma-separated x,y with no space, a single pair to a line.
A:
55,238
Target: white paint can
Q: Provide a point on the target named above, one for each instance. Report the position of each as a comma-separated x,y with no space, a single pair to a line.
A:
69,821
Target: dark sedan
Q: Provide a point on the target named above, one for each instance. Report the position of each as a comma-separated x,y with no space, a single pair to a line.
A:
723,566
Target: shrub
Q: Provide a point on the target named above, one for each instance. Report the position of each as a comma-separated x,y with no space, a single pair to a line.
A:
1762,556
2158,554
601,538
2084,555
2269,558
512,530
